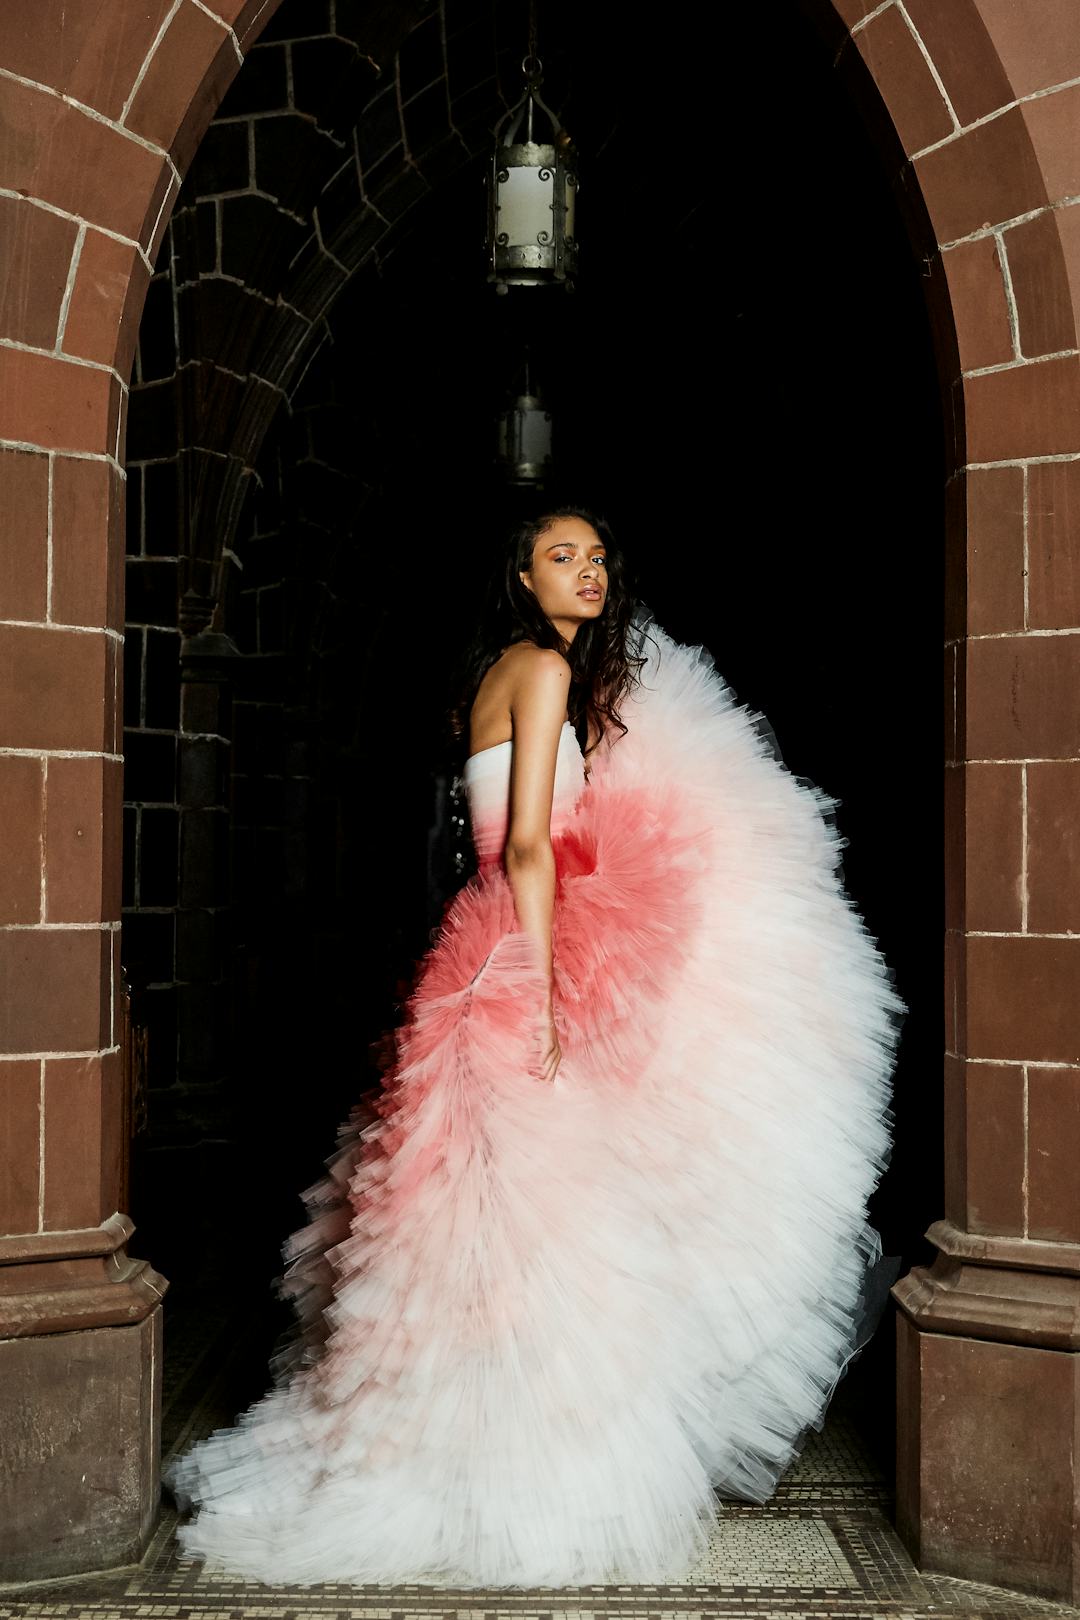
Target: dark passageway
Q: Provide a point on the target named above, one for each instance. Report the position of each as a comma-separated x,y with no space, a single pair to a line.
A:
742,381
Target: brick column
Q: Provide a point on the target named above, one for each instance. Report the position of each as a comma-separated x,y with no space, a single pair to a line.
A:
986,112
79,1320
102,109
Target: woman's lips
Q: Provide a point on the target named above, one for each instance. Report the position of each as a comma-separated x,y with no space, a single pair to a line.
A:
595,595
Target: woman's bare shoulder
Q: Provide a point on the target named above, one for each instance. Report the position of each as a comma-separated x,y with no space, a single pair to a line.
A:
532,663
523,677
539,677
522,666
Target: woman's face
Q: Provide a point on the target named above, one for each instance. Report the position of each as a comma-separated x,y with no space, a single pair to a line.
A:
568,575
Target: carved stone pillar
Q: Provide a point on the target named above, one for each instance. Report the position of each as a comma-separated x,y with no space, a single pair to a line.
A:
80,1401
988,1401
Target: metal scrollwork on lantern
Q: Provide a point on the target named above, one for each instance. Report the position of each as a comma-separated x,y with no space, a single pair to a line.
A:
532,195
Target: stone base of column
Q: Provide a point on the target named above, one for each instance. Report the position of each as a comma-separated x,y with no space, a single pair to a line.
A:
988,1412
80,1402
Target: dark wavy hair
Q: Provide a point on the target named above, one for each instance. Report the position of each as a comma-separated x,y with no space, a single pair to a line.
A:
604,661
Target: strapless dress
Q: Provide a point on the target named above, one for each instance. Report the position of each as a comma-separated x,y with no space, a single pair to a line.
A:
486,775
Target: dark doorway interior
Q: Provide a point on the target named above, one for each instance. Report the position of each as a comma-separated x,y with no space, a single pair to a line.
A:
743,382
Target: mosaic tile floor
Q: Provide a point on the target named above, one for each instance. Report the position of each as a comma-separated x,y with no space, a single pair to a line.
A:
823,1547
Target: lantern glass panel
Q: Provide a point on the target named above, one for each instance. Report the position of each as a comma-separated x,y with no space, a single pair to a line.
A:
525,203
570,193
535,435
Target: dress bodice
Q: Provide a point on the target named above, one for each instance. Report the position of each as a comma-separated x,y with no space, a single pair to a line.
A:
487,787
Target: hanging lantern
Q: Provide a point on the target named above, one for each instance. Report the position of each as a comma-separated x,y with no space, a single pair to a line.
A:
523,437
532,192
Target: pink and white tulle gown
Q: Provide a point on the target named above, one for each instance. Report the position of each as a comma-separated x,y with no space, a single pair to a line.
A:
545,1326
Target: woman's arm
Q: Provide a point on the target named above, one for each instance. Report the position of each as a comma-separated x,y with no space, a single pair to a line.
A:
538,712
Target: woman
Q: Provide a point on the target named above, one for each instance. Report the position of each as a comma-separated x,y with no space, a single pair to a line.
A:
597,1252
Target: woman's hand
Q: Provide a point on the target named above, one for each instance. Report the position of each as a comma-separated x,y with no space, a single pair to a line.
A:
550,1050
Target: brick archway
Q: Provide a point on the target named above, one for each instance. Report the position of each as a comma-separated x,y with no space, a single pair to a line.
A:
986,113
978,116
